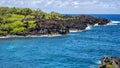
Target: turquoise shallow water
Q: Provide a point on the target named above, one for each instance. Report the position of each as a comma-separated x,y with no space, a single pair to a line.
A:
75,50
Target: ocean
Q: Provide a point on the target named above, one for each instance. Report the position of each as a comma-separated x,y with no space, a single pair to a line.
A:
76,50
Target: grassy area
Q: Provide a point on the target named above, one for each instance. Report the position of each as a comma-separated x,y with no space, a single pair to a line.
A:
110,66
14,25
15,17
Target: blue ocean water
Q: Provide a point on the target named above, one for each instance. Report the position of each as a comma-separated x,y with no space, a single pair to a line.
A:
75,50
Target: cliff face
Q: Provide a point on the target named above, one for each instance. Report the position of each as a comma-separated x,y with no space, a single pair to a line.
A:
64,26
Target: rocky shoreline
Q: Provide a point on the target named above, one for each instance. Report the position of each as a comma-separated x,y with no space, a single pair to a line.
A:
52,27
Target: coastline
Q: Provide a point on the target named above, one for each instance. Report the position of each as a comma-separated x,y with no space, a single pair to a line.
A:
56,35
44,25
48,35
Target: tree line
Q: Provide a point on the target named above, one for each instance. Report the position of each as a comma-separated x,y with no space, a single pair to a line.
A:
7,12
10,19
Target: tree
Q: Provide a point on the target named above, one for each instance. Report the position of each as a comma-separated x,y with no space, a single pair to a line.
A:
1,19
6,27
24,11
14,10
55,15
38,13
19,31
5,12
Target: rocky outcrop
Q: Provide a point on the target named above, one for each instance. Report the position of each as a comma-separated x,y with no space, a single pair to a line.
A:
64,26
110,62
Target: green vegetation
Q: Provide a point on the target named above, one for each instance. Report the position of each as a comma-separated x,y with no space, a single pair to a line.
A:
11,19
31,24
110,66
107,66
37,13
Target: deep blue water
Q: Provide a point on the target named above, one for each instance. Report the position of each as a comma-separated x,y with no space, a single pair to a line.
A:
75,50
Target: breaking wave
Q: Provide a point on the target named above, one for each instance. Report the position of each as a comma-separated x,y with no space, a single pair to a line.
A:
114,23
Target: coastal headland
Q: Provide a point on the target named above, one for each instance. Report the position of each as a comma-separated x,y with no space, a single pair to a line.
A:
25,22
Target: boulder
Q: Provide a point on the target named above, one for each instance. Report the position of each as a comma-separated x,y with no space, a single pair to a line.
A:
110,62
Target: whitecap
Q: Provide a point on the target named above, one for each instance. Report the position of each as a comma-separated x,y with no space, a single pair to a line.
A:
96,24
88,27
116,22
54,35
111,24
76,31
99,62
13,36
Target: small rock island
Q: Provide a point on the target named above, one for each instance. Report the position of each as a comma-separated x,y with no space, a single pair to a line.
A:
25,21
110,62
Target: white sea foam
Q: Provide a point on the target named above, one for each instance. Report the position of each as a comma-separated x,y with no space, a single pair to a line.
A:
10,36
13,36
99,62
54,35
3,37
76,30
96,24
88,27
114,23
